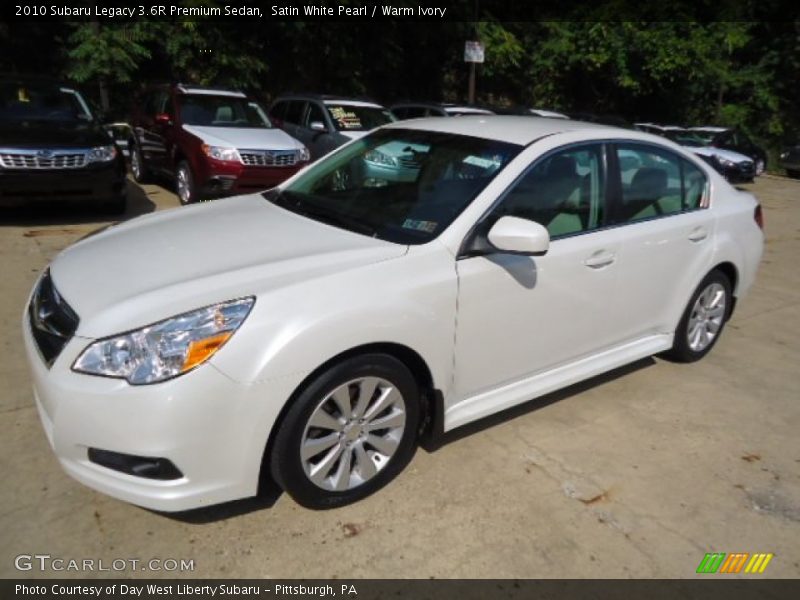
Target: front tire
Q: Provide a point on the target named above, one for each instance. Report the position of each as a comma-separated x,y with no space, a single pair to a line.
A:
184,184
703,320
348,433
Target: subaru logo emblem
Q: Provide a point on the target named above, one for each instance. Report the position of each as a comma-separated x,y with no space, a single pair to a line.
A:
44,154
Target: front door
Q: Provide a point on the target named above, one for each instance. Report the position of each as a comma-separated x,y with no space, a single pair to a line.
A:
518,315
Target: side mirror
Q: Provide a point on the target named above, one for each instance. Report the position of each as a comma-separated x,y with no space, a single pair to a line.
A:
318,126
163,119
519,236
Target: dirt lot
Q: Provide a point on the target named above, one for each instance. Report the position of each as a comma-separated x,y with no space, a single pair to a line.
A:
636,474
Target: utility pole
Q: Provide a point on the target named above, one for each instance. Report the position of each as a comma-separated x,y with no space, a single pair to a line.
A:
473,54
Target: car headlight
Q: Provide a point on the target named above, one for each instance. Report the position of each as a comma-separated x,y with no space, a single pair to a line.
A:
165,349
222,153
380,158
303,155
724,161
103,153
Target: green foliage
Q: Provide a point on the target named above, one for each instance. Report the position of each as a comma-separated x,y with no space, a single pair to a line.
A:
111,52
742,72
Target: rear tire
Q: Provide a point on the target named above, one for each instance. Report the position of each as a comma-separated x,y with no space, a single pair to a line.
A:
348,433
139,169
703,320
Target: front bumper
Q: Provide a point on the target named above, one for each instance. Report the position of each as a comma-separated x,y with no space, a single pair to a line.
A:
213,429
220,178
94,183
740,172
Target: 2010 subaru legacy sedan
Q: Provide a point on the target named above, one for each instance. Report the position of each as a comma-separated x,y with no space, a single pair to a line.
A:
424,276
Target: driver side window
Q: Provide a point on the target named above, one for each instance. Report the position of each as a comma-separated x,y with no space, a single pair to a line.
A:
564,191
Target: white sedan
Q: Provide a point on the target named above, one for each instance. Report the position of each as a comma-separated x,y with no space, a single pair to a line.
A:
320,331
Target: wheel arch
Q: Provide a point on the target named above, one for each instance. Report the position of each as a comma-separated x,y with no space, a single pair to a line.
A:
729,270
432,403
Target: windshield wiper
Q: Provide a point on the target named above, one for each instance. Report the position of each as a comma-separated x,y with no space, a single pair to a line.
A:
299,203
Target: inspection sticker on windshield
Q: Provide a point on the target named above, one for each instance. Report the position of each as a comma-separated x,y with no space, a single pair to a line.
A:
426,226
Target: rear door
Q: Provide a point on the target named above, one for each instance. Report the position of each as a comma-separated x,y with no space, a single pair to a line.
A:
151,135
660,203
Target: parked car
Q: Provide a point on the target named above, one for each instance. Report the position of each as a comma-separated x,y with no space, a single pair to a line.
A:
323,123
790,160
418,110
733,139
320,330
531,112
610,120
53,148
733,166
213,142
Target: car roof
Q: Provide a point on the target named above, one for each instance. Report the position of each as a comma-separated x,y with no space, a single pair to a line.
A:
345,102
326,98
198,89
713,129
520,130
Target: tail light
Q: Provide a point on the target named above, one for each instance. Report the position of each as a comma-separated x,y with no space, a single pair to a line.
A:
758,215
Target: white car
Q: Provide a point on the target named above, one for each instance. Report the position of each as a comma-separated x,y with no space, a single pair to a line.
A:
322,329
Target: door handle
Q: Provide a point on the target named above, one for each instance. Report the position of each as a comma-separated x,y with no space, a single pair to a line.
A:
600,259
698,234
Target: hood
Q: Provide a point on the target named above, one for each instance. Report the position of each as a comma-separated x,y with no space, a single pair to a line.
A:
354,135
722,153
251,138
174,261
51,134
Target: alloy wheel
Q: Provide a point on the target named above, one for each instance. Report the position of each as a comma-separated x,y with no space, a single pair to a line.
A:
707,317
353,433
184,187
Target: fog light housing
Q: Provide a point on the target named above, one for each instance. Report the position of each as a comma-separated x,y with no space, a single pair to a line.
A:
161,469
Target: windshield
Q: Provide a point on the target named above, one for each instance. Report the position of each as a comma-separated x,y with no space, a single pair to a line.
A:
40,102
707,137
398,185
222,111
353,117
685,138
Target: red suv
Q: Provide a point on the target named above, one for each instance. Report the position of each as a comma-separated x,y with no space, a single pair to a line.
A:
213,142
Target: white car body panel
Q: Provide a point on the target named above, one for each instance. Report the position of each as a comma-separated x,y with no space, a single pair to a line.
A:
494,331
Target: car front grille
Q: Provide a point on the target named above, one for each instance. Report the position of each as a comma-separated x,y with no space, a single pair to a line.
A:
268,158
410,162
52,320
42,159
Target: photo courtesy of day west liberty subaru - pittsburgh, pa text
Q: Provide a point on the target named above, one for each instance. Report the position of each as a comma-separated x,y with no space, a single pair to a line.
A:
230,10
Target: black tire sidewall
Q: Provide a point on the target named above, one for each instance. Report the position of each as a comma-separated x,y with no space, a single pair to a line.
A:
143,173
285,462
680,350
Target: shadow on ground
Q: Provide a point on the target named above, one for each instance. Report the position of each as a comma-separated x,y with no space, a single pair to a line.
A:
272,492
75,213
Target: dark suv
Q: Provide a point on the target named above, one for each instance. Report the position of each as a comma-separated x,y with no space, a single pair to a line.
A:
323,123
213,142
52,148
